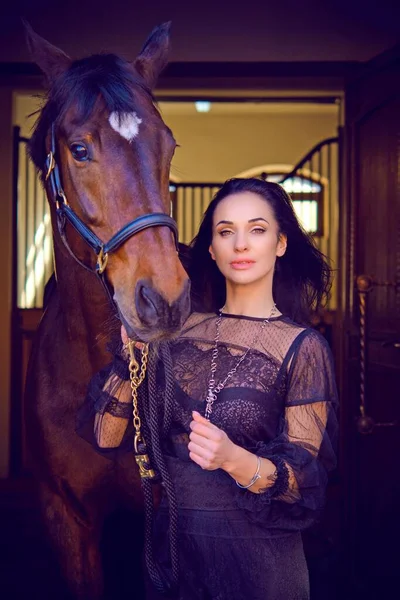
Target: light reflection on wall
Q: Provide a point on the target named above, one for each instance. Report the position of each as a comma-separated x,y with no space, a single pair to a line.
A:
307,213
306,209
38,263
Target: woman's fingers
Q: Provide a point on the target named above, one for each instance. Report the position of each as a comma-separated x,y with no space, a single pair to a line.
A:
200,451
202,441
200,419
124,335
202,456
203,463
203,430
208,430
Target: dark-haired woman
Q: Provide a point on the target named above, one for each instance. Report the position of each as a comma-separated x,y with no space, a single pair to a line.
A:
254,412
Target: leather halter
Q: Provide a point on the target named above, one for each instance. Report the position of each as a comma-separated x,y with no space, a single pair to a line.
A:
102,249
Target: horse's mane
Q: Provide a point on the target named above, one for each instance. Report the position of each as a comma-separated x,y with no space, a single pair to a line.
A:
80,86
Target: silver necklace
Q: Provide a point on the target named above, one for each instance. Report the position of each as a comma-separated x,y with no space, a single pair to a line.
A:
214,390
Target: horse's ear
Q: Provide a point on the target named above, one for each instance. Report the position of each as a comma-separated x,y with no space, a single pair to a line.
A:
154,55
52,61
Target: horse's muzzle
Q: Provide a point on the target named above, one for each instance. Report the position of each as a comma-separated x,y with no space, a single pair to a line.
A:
158,318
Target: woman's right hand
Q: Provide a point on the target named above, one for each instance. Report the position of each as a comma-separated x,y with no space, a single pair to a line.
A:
125,340
124,335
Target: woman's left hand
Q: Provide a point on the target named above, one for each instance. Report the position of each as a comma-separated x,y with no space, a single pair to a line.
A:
209,446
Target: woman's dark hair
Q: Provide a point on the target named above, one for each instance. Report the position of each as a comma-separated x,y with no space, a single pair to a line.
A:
302,276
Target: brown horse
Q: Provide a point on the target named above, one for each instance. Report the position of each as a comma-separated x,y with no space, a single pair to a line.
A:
104,154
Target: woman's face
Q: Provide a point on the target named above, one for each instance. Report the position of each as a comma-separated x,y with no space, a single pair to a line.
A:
245,238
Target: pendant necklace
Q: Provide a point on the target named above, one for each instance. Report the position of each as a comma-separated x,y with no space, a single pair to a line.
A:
213,389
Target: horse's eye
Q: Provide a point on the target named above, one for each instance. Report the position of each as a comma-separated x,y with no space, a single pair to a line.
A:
79,152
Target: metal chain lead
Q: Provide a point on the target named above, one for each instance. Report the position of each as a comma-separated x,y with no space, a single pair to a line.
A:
136,379
213,390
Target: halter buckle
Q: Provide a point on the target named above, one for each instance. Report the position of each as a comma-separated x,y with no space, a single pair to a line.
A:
102,260
60,194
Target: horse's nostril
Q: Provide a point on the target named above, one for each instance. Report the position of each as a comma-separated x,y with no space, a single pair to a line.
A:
147,302
154,311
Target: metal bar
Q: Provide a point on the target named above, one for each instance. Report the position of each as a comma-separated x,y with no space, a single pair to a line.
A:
193,215
27,215
365,423
311,179
320,197
329,186
14,283
179,211
306,158
184,195
16,338
364,286
34,240
203,205
173,196
320,165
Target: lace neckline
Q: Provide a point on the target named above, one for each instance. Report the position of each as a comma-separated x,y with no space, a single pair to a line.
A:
247,318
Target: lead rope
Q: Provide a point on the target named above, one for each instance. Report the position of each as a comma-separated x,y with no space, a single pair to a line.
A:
155,428
147,474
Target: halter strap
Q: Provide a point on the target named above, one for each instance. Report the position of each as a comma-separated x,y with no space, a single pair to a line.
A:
139,224
135,226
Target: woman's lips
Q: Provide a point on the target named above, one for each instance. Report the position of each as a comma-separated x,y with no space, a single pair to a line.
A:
241,265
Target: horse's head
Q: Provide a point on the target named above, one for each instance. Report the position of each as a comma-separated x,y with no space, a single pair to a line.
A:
113,151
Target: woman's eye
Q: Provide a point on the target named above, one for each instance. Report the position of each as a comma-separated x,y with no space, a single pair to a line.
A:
79,152
225,232
258,230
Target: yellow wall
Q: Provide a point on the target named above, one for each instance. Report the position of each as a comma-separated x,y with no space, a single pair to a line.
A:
25,105
231,138
214,148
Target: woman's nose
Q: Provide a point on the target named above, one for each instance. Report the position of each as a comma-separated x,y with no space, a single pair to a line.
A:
240,243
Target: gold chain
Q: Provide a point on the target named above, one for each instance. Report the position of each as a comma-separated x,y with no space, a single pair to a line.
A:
137,380
137,373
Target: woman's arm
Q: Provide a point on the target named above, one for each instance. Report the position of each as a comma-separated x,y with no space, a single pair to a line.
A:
293,466
243,466
211,449
110,427
110,424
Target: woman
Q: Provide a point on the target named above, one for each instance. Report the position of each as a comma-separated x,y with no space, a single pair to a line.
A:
253,417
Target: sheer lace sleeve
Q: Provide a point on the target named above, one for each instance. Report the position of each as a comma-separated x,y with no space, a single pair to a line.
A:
104,417
304,451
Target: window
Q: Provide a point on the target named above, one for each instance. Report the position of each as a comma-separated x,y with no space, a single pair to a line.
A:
307,197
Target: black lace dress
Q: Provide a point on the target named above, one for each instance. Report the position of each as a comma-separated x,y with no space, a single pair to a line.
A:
280,404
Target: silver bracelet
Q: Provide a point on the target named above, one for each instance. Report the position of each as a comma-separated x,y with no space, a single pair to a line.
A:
255,477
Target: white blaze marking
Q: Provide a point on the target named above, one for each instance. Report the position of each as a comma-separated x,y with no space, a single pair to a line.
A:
126,124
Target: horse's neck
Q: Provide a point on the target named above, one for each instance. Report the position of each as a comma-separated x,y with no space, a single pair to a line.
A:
87,311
